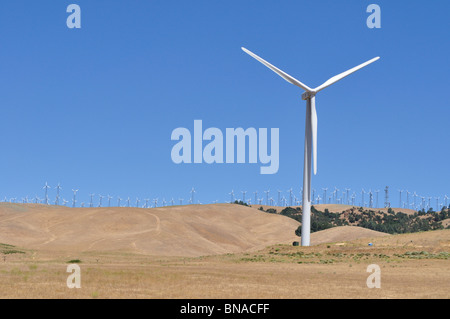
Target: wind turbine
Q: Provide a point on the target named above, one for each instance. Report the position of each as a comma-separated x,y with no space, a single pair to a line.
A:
267,196
362,197
290,196
347,190
414,199
310,133
46,187
243,196
74,197
400,191
335,194
58,188
377,191
91,203
231,196
192,195
407,198
109,200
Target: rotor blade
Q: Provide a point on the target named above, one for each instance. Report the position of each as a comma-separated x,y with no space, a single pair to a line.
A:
284,75
314,132
338,77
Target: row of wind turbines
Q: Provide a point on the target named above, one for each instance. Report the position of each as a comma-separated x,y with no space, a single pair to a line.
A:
99,200
368,199
345,196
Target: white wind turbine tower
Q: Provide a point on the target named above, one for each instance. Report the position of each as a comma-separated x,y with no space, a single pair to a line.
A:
407,198
445,199
414,199
335,194
347,190
181,200
243,196
290,196
109,200
100,200
58,188
118,201
91,203
192,195
310,134
46,187
267,196
362,197
377,191
146,202
74,197
400,191
231,196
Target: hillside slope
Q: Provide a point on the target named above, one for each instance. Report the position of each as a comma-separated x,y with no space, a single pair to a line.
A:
192,230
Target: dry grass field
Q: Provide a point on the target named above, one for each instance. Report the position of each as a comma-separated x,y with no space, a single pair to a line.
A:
208,251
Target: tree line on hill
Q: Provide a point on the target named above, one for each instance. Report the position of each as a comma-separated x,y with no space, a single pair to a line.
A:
390,222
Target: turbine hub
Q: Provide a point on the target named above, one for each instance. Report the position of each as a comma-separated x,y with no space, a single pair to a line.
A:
306,95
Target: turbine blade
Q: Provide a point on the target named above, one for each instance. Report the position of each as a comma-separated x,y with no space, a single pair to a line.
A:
338,77
284,75
314,132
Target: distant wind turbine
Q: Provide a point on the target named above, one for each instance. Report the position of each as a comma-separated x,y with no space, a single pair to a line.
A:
192,195
58,188
91,203
46,187
74,197
231,196
109,200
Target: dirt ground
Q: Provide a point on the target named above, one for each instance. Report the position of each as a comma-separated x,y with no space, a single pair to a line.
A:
412,266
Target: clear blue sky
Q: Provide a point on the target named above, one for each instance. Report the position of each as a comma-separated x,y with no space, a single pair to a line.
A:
94,108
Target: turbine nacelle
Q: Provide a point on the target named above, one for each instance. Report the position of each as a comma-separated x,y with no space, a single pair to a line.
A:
308,94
